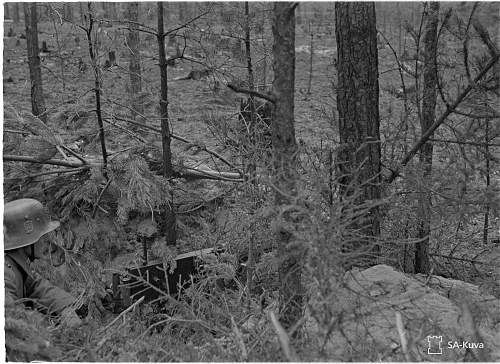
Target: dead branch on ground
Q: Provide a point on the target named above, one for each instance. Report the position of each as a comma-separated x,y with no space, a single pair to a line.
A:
283,338
238,89
181,171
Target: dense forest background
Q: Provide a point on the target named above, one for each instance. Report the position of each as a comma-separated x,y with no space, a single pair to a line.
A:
154,129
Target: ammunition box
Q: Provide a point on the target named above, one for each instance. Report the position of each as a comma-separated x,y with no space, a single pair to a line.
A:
155,281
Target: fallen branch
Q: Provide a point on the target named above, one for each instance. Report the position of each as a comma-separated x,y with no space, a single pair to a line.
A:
73,153
449,110
15,131
183,172
237,89
211,152
123,314
193,173
48,173
192,59
283,338
55,162
402,336
61,151
113,154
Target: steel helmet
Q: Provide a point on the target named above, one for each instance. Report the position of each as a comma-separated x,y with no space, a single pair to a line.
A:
24,222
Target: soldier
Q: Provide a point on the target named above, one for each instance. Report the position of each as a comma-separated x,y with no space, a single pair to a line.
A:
25,224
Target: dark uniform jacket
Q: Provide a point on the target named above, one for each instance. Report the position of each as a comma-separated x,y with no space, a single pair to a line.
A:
22,283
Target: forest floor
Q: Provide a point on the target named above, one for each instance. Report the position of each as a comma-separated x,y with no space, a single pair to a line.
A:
193,104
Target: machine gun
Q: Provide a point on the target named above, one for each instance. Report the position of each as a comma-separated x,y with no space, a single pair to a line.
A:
155,280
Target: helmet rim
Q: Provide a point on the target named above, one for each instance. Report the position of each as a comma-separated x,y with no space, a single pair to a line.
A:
21,243
25,221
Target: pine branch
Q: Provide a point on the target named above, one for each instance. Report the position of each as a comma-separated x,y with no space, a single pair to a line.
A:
184,140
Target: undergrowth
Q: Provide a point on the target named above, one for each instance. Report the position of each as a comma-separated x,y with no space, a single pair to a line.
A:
218,318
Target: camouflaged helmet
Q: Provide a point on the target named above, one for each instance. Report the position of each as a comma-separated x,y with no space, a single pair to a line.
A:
24,222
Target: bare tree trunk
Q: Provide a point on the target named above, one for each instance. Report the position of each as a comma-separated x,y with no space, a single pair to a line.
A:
182,12
97,89
488,182
422,263
16,16
285,159
264,46
112,10
309,83
252,153
251,167
165,127
45,13
105,7
167,12
247,48
134,60
82,12
168,216
37,99
68,11
384,14
357,105
264,71
59,52
400,37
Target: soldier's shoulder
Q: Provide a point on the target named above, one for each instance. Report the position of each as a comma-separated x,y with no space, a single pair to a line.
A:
9,266
8,263
11,274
